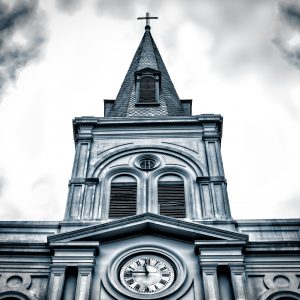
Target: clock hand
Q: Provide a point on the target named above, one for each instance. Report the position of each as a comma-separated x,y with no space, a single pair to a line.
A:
138,272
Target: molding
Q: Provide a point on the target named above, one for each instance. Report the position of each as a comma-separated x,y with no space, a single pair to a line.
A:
86,245
17,247
208,179
121,121
148,224
274,247
84,180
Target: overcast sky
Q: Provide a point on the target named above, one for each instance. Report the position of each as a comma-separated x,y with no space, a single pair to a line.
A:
60,59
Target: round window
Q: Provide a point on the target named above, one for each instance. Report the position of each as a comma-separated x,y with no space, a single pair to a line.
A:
147,162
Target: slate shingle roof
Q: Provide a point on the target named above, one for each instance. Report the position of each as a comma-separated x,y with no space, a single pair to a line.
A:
147,56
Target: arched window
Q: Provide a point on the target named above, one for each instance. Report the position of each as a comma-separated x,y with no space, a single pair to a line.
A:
123,193
147,90
171,196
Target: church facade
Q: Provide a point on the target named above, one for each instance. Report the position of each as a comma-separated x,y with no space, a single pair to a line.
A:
147,214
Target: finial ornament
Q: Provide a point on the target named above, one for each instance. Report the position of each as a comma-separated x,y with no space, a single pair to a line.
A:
147,18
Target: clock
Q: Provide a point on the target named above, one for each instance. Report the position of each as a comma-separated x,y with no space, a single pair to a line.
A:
147,274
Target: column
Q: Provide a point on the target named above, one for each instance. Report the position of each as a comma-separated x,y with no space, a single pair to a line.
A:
238,279
211,289
76,254
213,254
83,283
56,284
83,139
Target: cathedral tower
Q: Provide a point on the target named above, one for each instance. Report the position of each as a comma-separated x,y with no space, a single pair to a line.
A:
148,154
147,214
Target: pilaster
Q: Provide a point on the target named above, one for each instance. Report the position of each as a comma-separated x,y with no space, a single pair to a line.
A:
211,289
214,199
83,282
56,284
75,209
75,254
238,279
213,254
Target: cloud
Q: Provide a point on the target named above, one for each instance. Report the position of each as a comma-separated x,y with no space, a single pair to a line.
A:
115,8
69,6
2,184
287,39
290,11
291,54
22,34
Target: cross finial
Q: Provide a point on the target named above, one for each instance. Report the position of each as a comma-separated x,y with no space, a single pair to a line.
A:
147,18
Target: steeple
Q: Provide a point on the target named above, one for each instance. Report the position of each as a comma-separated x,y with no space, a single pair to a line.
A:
147,90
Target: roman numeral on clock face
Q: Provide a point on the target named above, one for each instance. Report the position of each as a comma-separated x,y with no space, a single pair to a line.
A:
129,281
128,274
138,263
162,281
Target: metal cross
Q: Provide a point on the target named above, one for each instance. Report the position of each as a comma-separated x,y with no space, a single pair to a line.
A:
147,18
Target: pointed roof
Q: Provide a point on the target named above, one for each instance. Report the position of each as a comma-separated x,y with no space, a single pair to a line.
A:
147,56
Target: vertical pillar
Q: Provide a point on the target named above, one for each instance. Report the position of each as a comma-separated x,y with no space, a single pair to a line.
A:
83,283
56,284
211,289
206,198
89,198
75,254
219,253
238,279
214,188
83,138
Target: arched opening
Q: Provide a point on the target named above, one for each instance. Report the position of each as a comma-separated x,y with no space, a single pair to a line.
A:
13,295
123,195
171,196
284,295
147,89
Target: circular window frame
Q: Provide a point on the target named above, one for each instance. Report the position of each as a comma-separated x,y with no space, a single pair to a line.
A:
138,160
178,288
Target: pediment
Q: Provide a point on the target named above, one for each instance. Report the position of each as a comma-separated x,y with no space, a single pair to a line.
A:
147,70
148,224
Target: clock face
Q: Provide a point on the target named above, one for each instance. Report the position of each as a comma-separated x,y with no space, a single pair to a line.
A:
147,274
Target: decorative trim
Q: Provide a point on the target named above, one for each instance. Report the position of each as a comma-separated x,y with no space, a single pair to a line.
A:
177,289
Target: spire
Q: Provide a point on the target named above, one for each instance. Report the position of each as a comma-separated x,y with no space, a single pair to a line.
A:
147,64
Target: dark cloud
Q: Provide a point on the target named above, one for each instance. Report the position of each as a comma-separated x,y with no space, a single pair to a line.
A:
289,28
22,34
69,6
290,11
291,54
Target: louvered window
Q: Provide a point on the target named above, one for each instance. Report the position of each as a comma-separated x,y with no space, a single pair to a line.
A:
171,199
122,199
147,90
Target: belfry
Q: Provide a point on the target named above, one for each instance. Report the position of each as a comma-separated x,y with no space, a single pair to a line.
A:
147,214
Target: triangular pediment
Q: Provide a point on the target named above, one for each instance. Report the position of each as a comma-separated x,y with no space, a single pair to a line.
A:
148,224
147,70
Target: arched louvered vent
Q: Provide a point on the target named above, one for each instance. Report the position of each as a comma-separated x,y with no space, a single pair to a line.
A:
147,90
123,197
171,198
